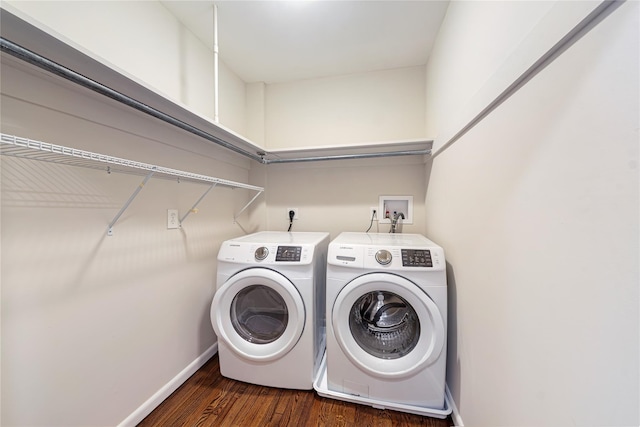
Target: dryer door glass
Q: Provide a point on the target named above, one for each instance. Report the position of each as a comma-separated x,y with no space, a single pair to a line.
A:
259,314
384,324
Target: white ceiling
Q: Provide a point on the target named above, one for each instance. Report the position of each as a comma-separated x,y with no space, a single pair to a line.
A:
276,41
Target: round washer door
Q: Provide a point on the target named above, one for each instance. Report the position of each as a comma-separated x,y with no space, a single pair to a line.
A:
387,326
259,314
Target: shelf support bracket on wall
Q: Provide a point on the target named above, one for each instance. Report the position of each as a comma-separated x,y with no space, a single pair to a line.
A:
14,146
246,206
195,205
126,205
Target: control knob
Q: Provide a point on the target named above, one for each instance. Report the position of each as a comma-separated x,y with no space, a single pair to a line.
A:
383,257
261,253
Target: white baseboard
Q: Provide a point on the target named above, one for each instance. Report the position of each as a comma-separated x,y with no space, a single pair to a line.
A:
152,403
455,415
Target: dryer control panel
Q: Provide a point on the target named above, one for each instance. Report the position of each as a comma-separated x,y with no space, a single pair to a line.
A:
416,258
251,253
289,253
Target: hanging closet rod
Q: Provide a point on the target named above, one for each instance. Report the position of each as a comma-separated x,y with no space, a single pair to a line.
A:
604,9
262,157
61,71
351,156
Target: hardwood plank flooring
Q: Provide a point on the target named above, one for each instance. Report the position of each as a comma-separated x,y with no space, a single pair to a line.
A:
209,399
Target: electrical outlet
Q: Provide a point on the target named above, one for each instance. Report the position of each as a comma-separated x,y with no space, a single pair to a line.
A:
373,213
295,213
172,219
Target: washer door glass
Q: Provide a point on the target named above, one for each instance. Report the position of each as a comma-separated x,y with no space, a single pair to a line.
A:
384,324
259,314
387,325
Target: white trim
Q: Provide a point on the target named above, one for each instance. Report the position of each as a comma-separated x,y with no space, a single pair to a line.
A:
158,397
455,414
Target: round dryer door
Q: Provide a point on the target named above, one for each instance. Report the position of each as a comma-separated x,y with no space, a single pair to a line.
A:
387,325
259,314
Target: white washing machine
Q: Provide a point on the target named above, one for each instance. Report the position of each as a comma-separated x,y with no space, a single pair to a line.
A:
386,322
269,307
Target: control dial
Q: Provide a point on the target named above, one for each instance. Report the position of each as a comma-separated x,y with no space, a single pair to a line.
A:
261,253
383,257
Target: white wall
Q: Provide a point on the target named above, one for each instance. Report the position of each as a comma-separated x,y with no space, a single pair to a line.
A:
335,196
93,326
359,108
255,112
454,77
99,311
537,176
537,209
469,69
135,45
148,44
232,100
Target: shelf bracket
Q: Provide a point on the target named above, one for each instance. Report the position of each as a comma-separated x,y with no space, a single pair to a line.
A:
126,205
36,150
246,206
193,208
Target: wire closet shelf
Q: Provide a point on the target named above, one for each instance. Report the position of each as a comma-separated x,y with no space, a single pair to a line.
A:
25,148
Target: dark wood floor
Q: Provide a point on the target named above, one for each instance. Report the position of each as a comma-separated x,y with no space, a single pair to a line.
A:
209,399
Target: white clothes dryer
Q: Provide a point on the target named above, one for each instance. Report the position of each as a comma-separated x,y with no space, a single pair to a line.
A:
387,322
269,307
